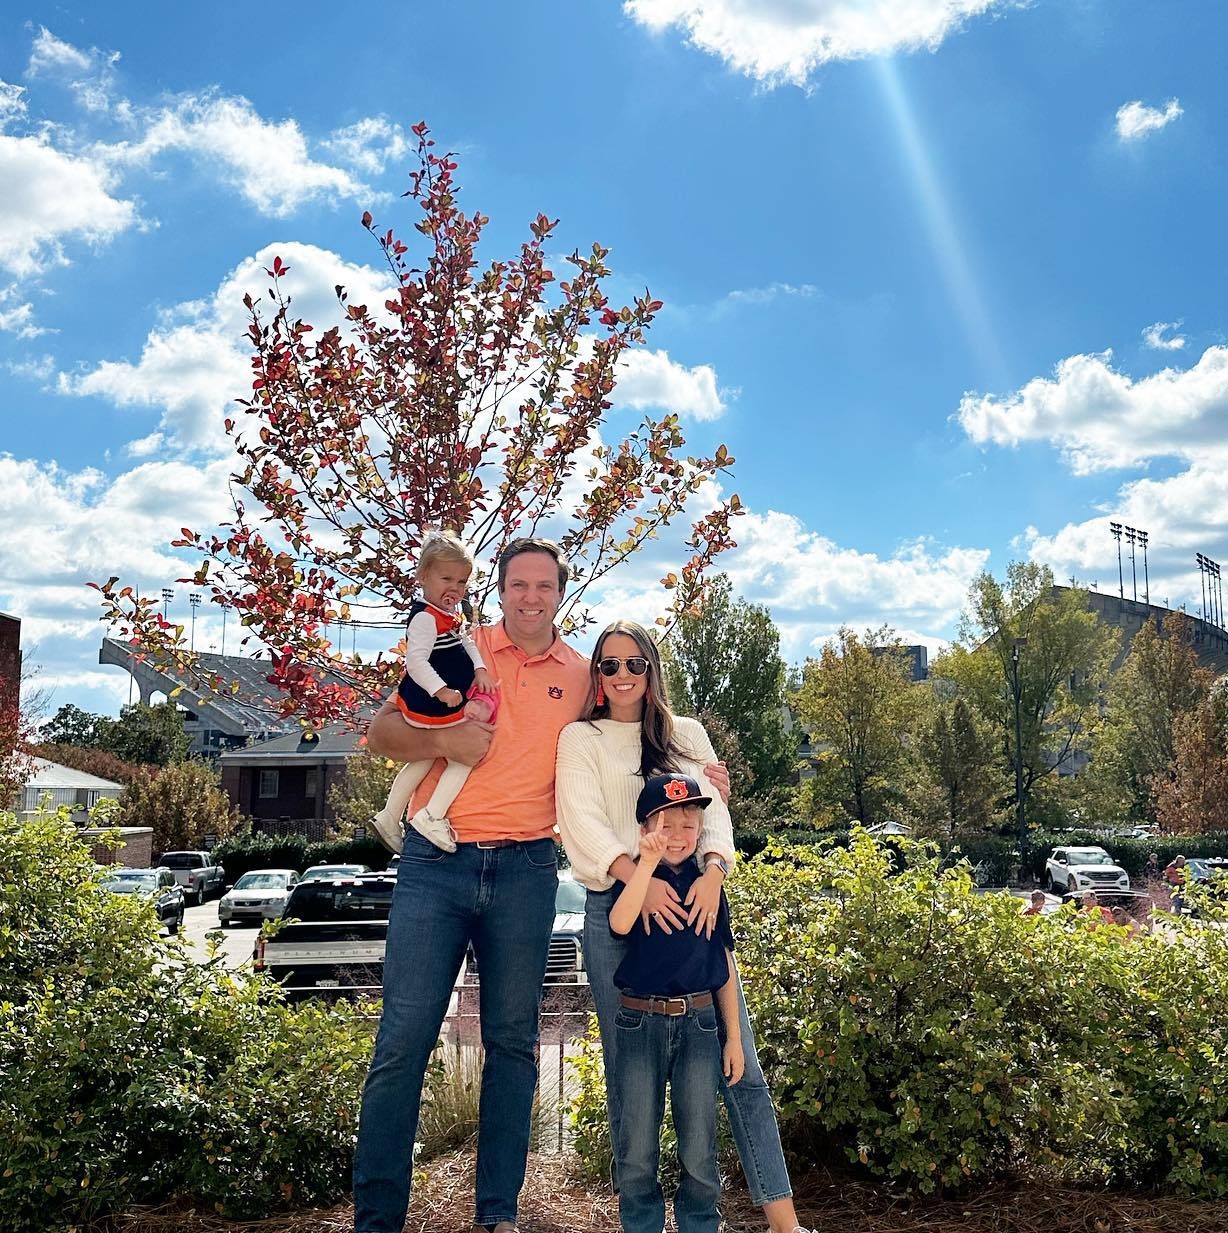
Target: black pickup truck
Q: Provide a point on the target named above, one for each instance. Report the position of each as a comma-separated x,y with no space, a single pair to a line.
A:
330,941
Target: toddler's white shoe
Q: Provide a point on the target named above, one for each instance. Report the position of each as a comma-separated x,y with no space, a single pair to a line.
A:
389,830
438,830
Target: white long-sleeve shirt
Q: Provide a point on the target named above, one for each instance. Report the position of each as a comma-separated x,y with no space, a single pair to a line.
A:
598,782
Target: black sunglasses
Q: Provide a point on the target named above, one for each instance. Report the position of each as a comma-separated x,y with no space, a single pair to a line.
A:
637,665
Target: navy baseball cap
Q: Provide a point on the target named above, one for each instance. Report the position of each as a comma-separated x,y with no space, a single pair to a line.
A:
666,791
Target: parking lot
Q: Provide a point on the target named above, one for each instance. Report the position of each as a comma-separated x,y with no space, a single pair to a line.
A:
237,940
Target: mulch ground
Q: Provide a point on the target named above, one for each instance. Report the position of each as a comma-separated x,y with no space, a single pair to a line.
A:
553,1202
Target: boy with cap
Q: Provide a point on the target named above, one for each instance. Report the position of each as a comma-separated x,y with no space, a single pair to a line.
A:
671,988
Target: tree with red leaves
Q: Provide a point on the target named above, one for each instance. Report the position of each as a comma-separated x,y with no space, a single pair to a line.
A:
472,399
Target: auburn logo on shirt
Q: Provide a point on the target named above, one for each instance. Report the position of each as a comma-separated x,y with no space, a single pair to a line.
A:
555,691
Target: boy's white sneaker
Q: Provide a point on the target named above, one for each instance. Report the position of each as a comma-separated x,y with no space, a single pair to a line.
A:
389,830
438,830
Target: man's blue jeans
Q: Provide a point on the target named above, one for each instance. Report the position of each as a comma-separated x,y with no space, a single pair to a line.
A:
683,1051
752,1116
501,900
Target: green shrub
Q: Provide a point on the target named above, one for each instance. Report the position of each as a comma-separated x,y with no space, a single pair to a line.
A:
131,1074
940,1037
249,851
1130,854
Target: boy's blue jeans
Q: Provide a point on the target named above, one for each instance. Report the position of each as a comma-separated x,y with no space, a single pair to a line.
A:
752,1117
501,899
683,1051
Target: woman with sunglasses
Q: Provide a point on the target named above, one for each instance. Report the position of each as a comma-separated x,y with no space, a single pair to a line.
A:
626,735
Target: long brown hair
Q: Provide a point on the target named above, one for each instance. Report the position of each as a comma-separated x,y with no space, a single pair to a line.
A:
659,750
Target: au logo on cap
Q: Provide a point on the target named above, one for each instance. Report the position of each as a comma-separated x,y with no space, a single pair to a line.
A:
677,790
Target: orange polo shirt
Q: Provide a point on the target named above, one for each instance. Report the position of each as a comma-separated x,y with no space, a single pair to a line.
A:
510,795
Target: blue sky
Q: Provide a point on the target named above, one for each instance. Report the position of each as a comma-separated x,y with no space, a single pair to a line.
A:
946,278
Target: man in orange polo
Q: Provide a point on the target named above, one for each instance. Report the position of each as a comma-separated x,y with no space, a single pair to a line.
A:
496,891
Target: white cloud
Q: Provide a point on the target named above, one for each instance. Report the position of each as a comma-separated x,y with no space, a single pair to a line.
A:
17,318
197,363
60,530
1136,120
33,368
652,379
773,291
1101,418
90,74
266,161
12,103
369,145
1157,336
50,197
50,54
785,40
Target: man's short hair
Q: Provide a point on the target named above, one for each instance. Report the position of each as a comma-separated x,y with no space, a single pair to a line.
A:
534,544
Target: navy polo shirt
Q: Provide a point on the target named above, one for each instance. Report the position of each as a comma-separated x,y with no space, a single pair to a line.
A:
658,964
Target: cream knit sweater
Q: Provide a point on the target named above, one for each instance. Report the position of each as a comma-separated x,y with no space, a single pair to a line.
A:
598,782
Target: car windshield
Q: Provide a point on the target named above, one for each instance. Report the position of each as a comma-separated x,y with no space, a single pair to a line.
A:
261,881
182,860
570,897
131,878
332,871
325,901
1089,856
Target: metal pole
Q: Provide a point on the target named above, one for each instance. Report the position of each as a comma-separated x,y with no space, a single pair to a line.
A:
225,609
1115,529
1020,813
1202,582
1142,538
194,603
1131,535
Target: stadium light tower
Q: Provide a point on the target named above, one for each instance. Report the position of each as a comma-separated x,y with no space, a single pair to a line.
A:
167,596
1142,539
1202,581
1131,537
194,602
1115,530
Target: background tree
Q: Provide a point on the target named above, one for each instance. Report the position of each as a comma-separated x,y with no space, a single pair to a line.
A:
957,756
362,791
70,725
1063,668
724,659
1193,798
858,701
152,734
470,398
183,803
1160,682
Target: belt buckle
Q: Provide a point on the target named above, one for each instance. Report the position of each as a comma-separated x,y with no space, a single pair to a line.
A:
667,1003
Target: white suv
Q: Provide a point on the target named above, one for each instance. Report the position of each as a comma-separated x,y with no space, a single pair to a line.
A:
1084,869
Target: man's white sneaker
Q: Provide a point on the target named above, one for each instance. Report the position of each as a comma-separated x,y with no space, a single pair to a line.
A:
388,830
438,830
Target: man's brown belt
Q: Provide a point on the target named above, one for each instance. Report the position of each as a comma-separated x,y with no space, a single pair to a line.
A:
667,1006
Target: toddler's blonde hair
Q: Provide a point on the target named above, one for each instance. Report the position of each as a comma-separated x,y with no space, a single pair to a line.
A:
440,546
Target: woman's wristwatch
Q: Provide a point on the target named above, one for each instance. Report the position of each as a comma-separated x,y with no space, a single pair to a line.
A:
715,858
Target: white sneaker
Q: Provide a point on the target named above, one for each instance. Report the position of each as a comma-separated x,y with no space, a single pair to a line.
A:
388,830
438,830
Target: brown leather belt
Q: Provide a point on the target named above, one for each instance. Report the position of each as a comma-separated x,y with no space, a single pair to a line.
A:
497,843
667,1006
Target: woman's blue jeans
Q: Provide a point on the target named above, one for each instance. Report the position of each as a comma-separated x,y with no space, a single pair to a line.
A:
685,1052
752,1116
501,900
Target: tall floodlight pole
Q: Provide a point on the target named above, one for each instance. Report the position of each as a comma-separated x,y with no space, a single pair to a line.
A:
194,603
1020,813
1131,536
225,609
1202,582
1142,539
167,596
1115,529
